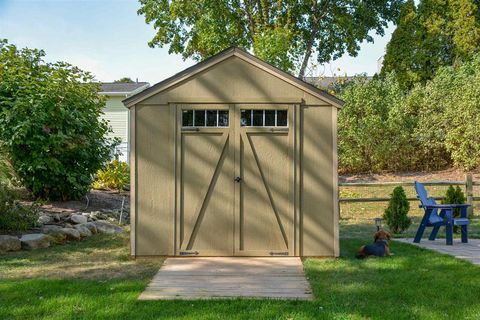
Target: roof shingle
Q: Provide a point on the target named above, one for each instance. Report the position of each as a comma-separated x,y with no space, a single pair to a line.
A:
121,87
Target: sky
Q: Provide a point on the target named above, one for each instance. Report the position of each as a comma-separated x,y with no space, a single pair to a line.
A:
109,39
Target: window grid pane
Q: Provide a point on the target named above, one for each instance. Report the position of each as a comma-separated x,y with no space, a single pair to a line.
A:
205,118
264,118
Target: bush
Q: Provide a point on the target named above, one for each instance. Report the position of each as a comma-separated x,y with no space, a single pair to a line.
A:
450,112
430,127
13,215
50,123
115,175
454,196
374,129
396,214
4,166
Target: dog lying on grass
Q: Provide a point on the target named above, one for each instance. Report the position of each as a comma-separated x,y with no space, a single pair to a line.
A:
379,248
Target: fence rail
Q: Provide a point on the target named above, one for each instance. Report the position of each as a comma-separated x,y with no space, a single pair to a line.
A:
468,183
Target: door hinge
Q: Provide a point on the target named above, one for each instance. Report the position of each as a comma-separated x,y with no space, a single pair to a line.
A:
189,253
285,253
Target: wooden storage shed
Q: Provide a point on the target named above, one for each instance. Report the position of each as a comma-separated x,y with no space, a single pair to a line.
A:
233,157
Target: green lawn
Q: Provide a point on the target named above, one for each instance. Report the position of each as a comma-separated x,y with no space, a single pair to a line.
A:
357,219
95,279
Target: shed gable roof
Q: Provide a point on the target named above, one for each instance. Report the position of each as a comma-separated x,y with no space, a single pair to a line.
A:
245,56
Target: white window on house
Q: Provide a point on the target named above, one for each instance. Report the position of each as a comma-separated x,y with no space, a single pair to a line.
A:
204,118
264,118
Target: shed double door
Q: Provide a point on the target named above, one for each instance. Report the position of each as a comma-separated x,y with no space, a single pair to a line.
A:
234,183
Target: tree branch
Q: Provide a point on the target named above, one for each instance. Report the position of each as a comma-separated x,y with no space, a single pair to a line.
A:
316,16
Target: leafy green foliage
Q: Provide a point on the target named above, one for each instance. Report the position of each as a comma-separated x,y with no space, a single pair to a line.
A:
5,168
454,196
396,215
124,80
436,33
49,123
400,52
13,215
430,127
284,33
374,126
115,175
449,114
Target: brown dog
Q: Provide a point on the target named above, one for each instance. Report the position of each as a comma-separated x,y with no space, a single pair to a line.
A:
379,248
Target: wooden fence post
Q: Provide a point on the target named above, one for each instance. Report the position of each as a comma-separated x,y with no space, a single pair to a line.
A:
469,189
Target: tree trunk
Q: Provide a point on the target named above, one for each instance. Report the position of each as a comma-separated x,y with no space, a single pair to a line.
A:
306,58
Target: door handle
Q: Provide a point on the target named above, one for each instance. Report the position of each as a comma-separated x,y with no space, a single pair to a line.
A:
238,179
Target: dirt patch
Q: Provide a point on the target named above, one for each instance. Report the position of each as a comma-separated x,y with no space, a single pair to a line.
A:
448,175
96,200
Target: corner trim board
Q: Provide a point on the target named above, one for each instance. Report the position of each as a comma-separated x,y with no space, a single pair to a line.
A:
133,183
336,209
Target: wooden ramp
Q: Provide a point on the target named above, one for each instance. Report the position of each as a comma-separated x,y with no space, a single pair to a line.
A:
232,277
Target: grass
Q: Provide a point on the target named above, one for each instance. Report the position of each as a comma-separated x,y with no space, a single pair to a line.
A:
95,279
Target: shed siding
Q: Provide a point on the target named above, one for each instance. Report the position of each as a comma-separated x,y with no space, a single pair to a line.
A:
155,178
234,81
317,182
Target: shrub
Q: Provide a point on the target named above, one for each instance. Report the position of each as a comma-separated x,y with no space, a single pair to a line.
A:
449,114
454,196
396,214
50,123
430,127
13,215
4,166
115,175
374,129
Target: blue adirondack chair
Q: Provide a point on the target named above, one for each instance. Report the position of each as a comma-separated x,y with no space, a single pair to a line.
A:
432,218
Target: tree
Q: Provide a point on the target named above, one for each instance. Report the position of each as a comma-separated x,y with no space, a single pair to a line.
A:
124,80
401,49
436,33
285,33
49,123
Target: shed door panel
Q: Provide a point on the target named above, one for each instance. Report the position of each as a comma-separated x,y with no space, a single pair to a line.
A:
206,193
265,193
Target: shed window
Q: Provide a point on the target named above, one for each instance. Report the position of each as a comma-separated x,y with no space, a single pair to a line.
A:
205,118
263,118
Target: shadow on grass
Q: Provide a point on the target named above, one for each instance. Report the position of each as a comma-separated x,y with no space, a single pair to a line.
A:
414,284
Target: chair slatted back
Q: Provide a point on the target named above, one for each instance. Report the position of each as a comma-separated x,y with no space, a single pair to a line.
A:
422,195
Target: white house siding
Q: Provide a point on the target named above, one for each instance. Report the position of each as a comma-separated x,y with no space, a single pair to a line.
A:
117,116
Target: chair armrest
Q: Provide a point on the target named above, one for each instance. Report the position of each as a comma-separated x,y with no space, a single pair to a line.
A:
443,206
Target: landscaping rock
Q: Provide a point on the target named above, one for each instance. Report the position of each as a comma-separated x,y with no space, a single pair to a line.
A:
71,234
78,219
106,227
91,226
44,219
58,236
9,243
35,241
83,230
56,217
